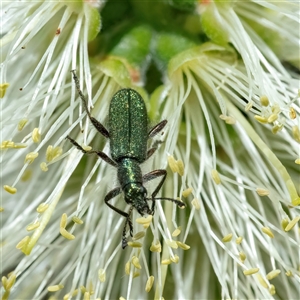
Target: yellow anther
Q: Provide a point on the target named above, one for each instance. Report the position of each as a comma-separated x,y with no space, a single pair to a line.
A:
63,220
183,246
82,289
30,157
19,145
33,226
272,118
143,220
166,262
22,124
249,105
135,244
127,268
267,231
10,281
272,289
55,288
1,209
276,109
264,100
66,234
23,243
296,133
149,284
262,281
86,148
10,189
42,208
36,136
175,258
292,113
180,166
292,224
102,275
215,176
172,244
289,273
176,232
273,274
136,274
187,192
26,175
86,296
135,261
122,298
261,119
228,119
53,153
262,192
195,202
138,236
239,240
172,164
7,144
155,247
77,220
242,256
3,88
297,161
4,282
44,166
277,128
227,238
251,271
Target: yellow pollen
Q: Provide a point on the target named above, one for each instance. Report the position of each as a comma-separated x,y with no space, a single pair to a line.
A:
215,176
289,273
166,262
44,166
19,145
180,166
264,100
36,136
23,242
66,234
273,274
172,164
122,298
4,282
183,246
143,221
172,244
242,256
135,244
77,220
262,281
138,236
55,288
296,133
297,161
7,144
102,275
42,208
86,148
136,274
195,202
272,118
33,226
135,262
187,192
82,289
3,88
155,247
175,259
251,271
10,281
63,221
292,113
228,119
261,119
127,268
292,224
227,238
272,289
10,189
176,232
262,192
149,284
53,153
22,124
30,157
239,240
86,296
267,231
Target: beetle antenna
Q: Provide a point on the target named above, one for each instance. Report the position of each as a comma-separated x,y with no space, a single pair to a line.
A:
179,203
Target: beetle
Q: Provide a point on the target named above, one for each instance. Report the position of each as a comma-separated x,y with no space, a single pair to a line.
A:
128,135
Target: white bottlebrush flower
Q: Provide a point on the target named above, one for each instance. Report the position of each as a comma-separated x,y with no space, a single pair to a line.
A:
229,91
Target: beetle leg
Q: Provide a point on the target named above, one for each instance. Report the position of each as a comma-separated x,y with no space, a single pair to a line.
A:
157,128
112,194
99,153
95,122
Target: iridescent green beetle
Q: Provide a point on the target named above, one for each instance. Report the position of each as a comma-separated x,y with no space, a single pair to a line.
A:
128,134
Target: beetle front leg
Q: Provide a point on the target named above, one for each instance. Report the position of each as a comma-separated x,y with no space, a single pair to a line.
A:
95,122
112,194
